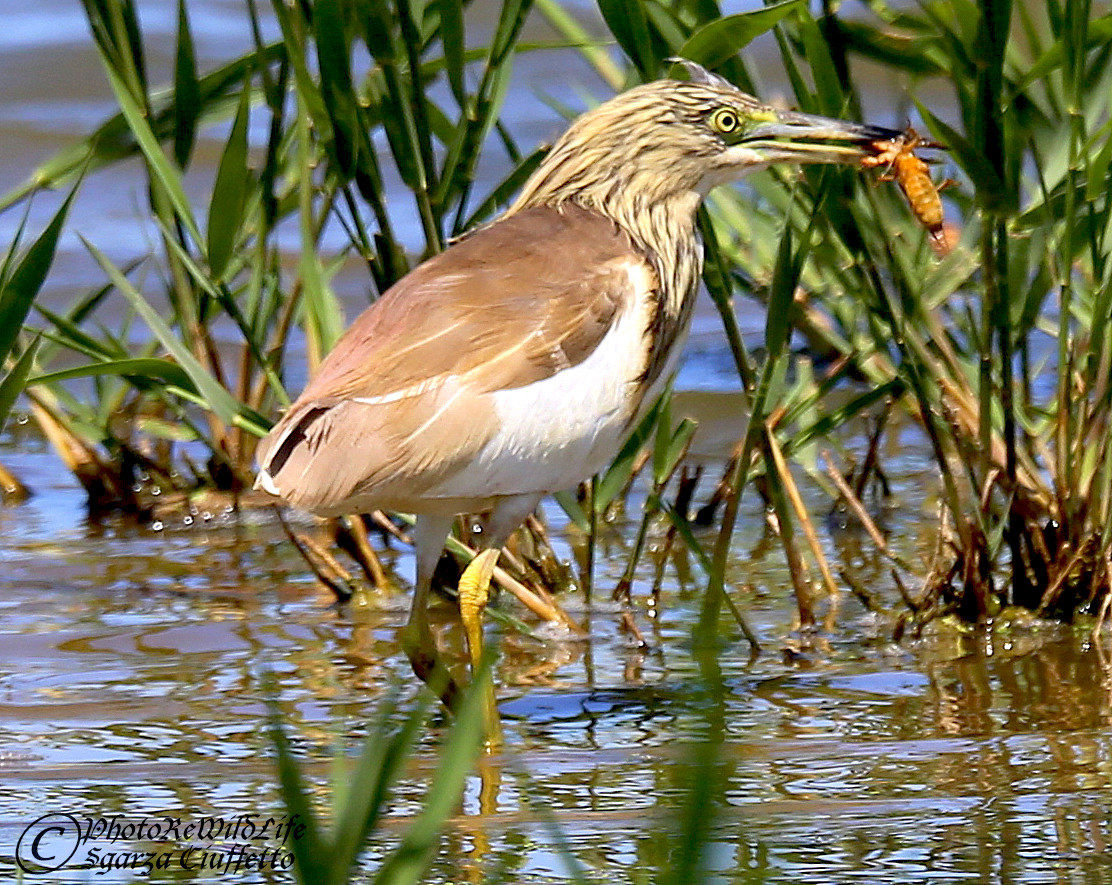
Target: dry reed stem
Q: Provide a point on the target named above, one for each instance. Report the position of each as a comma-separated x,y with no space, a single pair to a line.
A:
870,462
309,550
964,415
1052,592
101,483
367,558
539,602
930,582
987,486
629,625
866,521
854,503
73,452
801,513
12,491
514,561
857,589
905,594
1105,603
386,524
540,556
797,570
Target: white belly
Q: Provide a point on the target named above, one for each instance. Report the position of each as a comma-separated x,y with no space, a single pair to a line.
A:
557,432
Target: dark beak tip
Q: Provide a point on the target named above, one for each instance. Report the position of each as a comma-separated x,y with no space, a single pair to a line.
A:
869,132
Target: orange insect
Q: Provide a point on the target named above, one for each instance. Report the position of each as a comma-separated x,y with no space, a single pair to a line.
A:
913,177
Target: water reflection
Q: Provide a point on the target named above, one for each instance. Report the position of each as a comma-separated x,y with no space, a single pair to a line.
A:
969,753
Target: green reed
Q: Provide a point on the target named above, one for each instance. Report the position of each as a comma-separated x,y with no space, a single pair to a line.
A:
21,278
964,344
331,840
1023,299
318,165
327,853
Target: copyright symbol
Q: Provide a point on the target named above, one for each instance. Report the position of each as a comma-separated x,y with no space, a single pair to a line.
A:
48,843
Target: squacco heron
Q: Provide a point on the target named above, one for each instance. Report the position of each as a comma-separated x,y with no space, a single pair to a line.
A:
514,363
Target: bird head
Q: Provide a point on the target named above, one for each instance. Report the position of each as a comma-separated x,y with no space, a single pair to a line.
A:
677,139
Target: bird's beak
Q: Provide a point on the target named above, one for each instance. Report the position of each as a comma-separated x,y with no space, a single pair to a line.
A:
805,138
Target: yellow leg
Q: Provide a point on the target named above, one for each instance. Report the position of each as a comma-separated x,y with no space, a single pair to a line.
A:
416,636
474,590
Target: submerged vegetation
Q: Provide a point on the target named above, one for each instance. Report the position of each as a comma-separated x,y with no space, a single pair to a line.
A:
1001,350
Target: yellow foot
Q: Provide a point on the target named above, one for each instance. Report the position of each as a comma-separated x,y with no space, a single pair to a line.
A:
474,590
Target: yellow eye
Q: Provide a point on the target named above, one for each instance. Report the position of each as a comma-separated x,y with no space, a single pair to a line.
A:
724,120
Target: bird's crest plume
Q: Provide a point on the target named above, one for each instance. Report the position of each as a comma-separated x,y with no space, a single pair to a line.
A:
696,73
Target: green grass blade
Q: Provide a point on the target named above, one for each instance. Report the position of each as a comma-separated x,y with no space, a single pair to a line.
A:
134,37
187,91
213,394
366,798
18,292
830,421
687,535
252,339
824,74
990,186
333,62
112,140
510,20
504,190
310,855
628,23
575,513
621,468
163,171
13,246
785,278
12,384
451,38
722,39
408,864
323,314
890,47
663,435
229,193
151,368
677,447
72,336
307,89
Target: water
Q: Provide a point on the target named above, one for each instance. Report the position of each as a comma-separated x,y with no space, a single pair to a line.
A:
129,682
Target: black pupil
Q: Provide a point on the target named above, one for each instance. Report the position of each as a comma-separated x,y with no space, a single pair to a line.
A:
727,121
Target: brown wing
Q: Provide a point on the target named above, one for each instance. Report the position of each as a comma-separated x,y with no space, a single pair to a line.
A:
399,403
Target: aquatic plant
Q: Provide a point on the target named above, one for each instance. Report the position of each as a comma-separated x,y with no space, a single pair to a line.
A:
318,166
174,426
328,847
327,855
964,343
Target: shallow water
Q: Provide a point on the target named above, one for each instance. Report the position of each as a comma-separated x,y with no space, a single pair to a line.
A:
129,679
130,685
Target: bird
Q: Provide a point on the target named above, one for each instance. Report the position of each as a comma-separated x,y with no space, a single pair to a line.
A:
516,362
